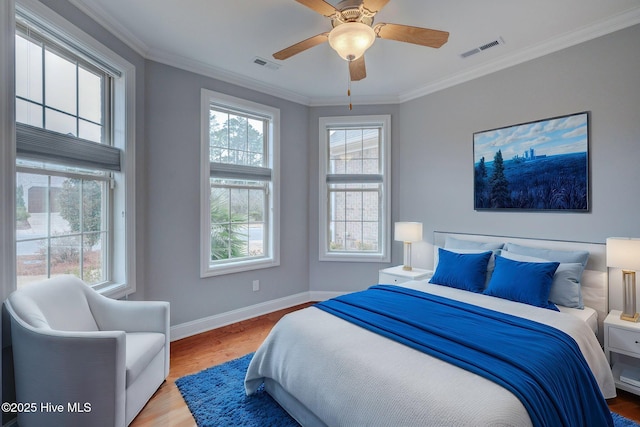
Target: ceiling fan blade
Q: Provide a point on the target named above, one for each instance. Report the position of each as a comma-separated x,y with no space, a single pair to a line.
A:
320,6
374,6
301,46
409,34
357,70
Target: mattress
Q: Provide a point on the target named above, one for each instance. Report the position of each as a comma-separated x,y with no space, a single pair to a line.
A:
324,370
588,315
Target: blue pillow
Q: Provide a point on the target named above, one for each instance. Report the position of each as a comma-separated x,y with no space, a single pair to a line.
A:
565,288
526,282
472,247
462,271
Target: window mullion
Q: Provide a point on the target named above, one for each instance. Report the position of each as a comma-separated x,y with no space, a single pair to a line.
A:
229,251
239,186
48,211
77,116
81,229
106,111
380,215
44,85
248,220
362,219
65,174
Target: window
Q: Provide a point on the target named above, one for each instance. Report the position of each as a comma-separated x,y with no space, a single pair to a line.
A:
70,102
354,188
239,189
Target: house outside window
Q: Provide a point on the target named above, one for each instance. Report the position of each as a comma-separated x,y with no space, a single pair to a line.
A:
354,188
239,216
71,186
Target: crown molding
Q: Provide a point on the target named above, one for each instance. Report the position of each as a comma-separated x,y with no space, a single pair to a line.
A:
355,100
600,28
112,25
225,76
572,38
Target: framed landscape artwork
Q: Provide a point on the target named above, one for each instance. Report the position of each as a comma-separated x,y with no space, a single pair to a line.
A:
535,166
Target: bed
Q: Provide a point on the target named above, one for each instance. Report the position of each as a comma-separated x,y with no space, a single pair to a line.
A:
326,371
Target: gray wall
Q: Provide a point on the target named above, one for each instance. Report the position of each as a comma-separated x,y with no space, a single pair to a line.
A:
432,172
173,200
601,76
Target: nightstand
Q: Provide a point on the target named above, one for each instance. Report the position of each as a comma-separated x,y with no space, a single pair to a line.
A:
622,348
396,275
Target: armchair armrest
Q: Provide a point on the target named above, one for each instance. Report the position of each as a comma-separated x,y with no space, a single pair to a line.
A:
77,367
130,316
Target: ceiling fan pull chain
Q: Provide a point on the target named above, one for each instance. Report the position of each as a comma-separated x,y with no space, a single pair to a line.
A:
349,87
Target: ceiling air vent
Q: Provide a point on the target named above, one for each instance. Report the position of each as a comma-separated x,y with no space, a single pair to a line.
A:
483,47
266,64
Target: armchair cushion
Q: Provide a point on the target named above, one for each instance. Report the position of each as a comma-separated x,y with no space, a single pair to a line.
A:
61,307
142,347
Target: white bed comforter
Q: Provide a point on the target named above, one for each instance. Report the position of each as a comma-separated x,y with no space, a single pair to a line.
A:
348,376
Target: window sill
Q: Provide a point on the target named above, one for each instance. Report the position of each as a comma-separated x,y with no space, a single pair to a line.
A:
350,257
238,267
116,290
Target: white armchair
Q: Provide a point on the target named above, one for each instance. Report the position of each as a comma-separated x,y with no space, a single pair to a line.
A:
101,359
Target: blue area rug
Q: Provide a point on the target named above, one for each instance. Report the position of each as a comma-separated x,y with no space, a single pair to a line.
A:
216,397
620,421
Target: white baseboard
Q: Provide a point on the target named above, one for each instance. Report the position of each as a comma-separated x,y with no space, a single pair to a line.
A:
195,327
324,295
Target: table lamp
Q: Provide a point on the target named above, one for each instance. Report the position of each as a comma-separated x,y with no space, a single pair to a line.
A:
624,253
408,232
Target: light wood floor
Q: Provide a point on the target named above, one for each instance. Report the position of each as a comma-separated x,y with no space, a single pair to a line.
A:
193,354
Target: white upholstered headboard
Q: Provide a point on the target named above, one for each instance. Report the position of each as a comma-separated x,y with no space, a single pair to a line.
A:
594,279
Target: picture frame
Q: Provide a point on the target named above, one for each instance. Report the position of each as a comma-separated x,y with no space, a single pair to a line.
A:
541,165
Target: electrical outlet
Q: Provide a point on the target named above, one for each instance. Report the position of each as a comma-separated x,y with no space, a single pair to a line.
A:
256,285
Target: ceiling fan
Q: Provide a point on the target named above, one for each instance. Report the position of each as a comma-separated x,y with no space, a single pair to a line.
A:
353,32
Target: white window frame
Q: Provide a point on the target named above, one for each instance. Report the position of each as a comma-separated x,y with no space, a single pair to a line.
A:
7,150
325,123
271,257
122,263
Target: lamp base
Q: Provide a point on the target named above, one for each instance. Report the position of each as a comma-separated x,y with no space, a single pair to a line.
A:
407,256
629,296
629,318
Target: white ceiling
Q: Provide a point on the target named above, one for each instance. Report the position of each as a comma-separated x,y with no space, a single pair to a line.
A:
221,39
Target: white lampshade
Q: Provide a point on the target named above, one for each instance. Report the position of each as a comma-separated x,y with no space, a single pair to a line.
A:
408,231
351,39
623,252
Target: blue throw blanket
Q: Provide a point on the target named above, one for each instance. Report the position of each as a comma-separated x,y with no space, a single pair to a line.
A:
539,364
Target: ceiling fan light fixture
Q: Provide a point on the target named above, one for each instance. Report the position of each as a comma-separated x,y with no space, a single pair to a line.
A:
351,39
